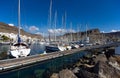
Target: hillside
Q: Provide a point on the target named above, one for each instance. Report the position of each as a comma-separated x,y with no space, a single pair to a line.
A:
13,29
113,36
95,36
117,34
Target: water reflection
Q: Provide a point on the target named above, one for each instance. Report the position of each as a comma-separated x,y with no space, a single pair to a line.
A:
37,48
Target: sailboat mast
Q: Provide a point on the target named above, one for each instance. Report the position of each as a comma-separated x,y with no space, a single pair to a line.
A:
86,30
80,33
71,31
50,18
62,32
55,24
77,38
65,18
19,18
19,39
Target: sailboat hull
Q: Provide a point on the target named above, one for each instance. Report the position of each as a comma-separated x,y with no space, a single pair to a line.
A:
20,53
54,48
68,47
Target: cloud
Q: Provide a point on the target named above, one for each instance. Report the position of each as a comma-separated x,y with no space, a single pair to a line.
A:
14,25
71,31
50,31
33,28
20,27
115,30
42,34
102,31
11,24
60,31
39,33
57,30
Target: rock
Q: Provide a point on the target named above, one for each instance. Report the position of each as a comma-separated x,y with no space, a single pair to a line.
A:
112,59
115,58
65,73
109,53
55,75
100,57
104,70
88,66
76,70
86,74
47,73
114,62
78,64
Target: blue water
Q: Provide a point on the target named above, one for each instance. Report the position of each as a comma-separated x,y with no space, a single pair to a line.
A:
44,69
36,48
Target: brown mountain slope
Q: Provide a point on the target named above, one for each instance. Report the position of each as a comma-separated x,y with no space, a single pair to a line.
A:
13,29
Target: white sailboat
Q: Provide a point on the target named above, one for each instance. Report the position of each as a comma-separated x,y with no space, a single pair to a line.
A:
19,49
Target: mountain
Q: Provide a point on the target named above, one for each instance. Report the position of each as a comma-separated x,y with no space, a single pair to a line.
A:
113,36
117,34
95,36
13,29
93,33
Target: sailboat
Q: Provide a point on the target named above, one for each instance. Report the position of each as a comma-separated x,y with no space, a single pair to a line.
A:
19,49
73,44
87,39
55,45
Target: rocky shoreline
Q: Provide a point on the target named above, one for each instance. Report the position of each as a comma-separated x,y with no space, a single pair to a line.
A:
93,65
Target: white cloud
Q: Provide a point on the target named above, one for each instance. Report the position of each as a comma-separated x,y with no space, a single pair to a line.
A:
57,31
50,31
33,28
60,31
115,30
38,33
20,27
102,31
14,25
71,30
11,24
42,33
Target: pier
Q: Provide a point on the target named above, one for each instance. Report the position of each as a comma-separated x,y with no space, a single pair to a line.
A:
11,64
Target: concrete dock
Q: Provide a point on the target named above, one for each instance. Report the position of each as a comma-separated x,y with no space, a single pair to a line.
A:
23,61
10,64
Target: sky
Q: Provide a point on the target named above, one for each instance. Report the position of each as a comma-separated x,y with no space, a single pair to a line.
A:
101,14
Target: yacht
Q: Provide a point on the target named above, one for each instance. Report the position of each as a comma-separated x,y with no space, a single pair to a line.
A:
19,48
